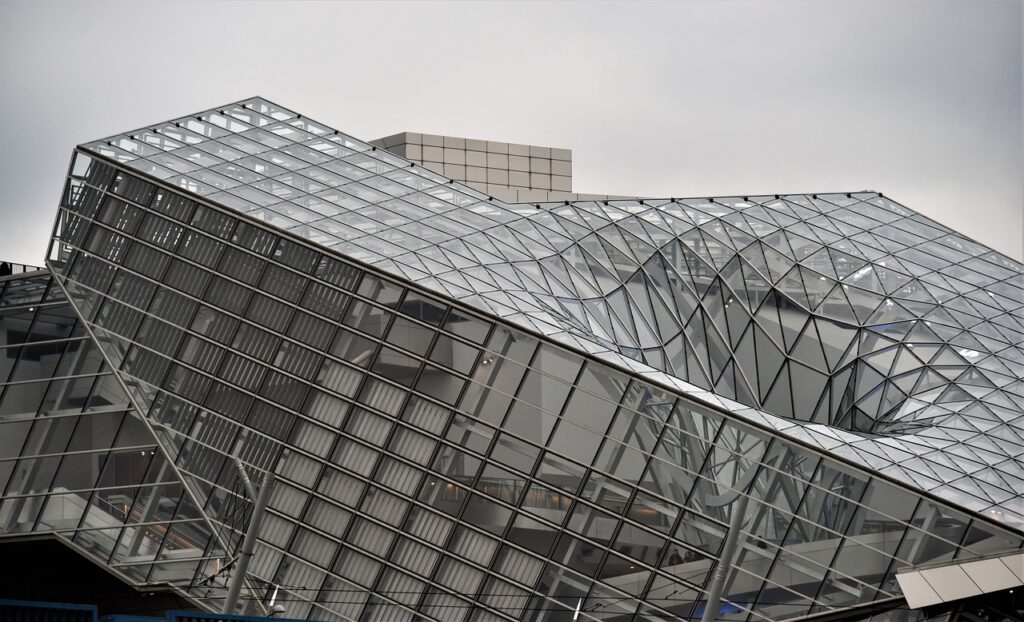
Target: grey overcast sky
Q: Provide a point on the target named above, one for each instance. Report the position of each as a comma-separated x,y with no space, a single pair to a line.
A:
919,100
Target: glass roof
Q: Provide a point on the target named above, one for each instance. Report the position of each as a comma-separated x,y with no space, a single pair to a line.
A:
843,320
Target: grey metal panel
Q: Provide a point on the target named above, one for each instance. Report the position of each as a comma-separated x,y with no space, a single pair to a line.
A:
1016,565
959,580
991,575
951,583
918,592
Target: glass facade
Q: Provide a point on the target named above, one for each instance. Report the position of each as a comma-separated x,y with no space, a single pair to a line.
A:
76,460
482,411
846,310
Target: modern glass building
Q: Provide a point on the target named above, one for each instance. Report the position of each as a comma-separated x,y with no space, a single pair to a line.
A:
795,407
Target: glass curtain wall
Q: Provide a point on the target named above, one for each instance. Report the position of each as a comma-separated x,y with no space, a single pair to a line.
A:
436,463
76,460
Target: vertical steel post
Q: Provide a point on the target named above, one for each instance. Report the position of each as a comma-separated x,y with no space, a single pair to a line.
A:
248,544
724,566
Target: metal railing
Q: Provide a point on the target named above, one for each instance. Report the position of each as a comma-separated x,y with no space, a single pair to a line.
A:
13,269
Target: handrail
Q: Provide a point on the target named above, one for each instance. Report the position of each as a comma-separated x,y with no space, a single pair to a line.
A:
974,557
9,270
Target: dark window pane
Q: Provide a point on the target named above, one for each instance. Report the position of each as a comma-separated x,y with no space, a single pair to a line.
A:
422,308
467,326
410,336
380,291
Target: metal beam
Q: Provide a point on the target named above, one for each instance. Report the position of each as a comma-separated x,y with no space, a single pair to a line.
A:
724,566
249,543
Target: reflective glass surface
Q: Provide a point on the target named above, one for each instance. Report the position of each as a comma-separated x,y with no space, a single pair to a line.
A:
846,310
76,460
486,411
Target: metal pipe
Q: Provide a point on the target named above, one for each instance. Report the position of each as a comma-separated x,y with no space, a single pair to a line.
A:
245,478
724,566
248,544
